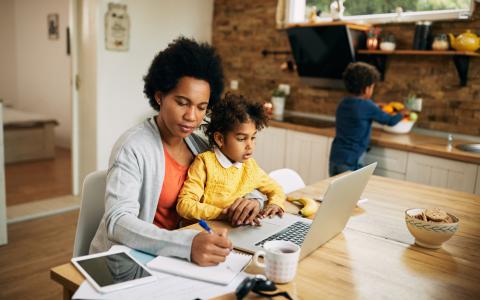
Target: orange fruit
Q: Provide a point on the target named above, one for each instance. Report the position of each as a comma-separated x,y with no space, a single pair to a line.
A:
388,109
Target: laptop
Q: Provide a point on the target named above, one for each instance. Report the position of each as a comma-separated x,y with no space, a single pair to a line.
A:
337,206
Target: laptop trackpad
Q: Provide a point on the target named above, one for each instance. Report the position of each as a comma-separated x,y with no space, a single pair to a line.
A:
241,234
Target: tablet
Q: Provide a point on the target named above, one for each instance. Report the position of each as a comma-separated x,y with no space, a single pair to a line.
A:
111,271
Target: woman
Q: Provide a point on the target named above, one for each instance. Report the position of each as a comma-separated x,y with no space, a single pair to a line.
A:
148,164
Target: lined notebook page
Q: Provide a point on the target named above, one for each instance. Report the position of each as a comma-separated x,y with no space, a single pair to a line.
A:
222,273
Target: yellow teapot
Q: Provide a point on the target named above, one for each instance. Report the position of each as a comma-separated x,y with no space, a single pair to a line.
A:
466,41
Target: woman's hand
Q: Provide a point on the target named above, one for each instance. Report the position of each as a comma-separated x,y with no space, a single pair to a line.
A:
209,249
271,210
243,211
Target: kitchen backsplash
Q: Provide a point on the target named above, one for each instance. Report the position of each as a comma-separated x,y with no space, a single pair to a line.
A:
242,29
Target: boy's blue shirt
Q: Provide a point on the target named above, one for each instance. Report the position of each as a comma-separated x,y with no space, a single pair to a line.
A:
354,118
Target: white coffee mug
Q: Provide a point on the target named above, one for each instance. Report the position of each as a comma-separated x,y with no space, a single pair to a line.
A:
280,260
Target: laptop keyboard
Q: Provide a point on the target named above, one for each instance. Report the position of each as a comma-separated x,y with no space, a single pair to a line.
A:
294,233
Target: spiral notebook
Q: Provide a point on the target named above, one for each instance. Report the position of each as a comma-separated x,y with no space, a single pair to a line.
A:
222,273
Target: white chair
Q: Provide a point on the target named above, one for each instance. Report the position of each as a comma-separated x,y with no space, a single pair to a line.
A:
91,211
288,179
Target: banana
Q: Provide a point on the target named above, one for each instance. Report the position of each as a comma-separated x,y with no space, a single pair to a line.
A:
398,106
309,205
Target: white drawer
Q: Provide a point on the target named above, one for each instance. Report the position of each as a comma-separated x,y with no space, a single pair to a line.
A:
388,159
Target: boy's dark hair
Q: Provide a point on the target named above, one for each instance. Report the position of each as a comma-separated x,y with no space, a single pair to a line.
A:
358,76
184,57
231,111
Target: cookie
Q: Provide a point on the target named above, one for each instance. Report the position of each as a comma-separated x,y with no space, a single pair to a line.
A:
436,214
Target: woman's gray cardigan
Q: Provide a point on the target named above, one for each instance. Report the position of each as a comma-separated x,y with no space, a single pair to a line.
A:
134,182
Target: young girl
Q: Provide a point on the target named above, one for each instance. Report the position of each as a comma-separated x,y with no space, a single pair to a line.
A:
218,177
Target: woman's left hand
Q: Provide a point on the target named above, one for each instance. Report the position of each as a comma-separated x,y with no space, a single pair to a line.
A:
271,210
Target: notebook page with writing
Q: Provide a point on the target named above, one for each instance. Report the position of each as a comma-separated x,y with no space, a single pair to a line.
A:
222,273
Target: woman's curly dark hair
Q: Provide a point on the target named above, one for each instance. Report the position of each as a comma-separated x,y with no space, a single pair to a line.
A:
358,76
184,57
231,111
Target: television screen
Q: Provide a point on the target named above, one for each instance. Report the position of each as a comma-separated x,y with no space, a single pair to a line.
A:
323,52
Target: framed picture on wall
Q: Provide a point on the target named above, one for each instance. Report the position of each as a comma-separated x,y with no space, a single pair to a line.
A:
52,23
117,27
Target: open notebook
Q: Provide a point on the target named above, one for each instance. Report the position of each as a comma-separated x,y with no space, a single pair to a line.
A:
222,273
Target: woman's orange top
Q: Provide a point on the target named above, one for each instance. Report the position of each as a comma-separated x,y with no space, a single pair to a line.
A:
166,215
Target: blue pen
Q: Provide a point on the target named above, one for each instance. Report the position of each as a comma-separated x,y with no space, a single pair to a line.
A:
205,226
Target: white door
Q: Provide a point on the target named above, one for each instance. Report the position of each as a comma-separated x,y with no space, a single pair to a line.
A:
308,155
441,172
3,208
84,67
75,18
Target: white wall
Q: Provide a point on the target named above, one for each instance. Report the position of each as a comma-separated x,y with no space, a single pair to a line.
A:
153,24
8,69
43,67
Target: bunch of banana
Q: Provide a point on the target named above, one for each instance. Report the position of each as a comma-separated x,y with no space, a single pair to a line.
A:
309,205
392,107
398,106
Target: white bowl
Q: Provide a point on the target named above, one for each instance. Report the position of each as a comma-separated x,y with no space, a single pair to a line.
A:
429,234
400,127
387,46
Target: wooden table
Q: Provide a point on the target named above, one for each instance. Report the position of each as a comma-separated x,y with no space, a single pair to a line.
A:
375,256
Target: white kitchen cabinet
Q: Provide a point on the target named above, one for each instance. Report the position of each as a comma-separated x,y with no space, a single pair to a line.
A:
308,155
477,188
441,172
389,174
329,148
270,148
391,163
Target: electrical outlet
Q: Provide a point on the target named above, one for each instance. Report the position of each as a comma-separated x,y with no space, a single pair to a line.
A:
234,85
284,87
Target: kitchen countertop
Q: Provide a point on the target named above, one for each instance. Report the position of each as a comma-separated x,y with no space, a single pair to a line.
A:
412,142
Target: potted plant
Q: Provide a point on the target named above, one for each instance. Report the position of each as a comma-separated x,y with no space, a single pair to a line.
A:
278,100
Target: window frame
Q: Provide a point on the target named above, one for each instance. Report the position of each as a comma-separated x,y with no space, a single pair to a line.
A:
404,17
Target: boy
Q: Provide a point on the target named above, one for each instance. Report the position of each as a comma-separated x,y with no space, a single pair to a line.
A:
354,117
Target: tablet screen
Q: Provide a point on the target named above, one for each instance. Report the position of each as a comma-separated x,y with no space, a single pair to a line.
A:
113,269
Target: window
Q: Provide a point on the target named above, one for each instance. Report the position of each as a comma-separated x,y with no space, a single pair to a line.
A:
384,11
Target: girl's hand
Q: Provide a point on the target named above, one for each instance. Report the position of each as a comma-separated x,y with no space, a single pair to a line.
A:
243,211
271,210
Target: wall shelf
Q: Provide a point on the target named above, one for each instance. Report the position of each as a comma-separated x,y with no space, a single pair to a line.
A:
461,59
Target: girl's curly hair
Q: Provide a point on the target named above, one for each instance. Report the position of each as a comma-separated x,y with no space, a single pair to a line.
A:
231,111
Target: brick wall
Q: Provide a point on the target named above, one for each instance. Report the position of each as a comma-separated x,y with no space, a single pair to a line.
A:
242,29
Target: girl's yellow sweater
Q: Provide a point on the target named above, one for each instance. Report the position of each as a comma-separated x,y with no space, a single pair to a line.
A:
210,187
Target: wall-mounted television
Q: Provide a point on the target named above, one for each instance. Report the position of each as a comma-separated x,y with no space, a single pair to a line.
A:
322,53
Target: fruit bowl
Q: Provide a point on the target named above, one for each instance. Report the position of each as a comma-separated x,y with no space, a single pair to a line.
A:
429,234
400,127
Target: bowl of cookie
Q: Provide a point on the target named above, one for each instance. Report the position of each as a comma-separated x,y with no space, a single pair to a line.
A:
431,227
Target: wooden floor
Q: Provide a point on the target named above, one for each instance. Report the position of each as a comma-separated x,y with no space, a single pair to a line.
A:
37,180
34,247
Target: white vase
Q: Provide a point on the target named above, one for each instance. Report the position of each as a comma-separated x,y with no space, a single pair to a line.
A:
336,9
278,106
